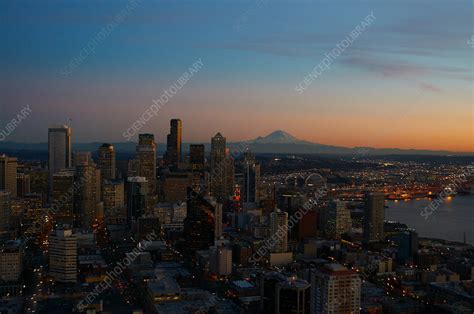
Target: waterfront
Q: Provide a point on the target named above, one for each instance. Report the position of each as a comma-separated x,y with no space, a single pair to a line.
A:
449,221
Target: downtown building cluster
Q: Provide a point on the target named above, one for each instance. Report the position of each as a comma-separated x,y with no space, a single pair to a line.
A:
205,228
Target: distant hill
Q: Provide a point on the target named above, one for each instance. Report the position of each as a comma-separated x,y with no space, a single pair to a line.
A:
277,142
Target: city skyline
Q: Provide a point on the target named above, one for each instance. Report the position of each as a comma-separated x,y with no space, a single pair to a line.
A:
405,82
243,156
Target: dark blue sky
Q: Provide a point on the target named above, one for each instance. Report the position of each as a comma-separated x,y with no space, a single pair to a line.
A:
407,77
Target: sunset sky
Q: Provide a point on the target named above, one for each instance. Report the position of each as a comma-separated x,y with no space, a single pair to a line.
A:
406,82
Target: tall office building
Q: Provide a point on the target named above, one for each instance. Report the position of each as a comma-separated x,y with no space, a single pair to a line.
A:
137,191
374,216
87,196
251,179
11,261
279,230
175,185
82,158
174,139
146,155
217,216
197,166
63,197
282,294
39,179
222,261
8,166
199,224
5,210
23,184
335,290
197,157
113,197
63,256
222,169
59,149
335,219
106,161
293,296
407,245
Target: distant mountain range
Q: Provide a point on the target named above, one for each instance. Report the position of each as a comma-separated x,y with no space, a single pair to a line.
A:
277,142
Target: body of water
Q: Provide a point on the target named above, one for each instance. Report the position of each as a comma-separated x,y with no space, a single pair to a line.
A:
449,221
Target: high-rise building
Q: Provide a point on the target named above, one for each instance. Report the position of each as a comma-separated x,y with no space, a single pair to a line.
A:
279,230
374,216
175,186
88,194
282,294
293,296
39,183
197,157
407,245
217,215
146,155
335,219
59,148
63,256
113,196
137,191
8,166
251,179
222,261
197,164
11,261
199,225
336,289
218,220
63,197
23,184
82,158
222,169
106,161
5,210
174,139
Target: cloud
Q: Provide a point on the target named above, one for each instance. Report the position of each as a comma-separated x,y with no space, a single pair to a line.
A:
429,87
396,68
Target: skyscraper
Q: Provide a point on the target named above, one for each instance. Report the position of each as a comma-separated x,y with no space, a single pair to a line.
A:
293,296
407,245
374,216
63,256
199,224
146,155
335,219
106,161
82,158
222,261
5,210
137,191
196,157
174,139
113,196
88,194
336,289
222,169
197,166
63,197
279,230
59,148
23,184
251,179
11,261
8,166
